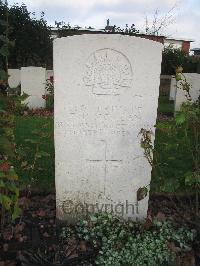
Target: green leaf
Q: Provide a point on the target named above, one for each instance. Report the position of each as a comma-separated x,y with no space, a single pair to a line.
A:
180,118
23,97
12,174
178,77
5,201
16,212
93,218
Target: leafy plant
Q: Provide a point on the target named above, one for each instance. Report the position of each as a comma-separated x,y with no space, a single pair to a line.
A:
173,58
33,44
185,127
128,243
9,191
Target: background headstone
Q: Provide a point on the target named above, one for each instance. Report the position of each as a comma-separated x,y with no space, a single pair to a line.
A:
106,90
172,89
194,80
33,82
14,78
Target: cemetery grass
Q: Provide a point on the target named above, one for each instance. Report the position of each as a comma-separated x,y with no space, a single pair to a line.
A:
174,160
165,106
42,176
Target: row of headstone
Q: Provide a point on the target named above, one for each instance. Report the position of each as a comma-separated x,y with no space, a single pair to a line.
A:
106,91
178,95
33,82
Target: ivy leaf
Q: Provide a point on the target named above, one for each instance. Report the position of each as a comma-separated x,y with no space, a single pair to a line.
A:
93,218
180,118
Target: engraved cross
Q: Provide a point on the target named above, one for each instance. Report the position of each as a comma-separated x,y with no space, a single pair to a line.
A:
106,161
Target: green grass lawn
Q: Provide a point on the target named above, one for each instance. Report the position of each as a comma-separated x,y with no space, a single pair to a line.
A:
175,161
165,106
43,174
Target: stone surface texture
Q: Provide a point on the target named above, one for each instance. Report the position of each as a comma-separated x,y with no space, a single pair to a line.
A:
106,90
172,89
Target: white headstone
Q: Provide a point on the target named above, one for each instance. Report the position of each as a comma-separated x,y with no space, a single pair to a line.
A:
106,90
194,80
33,82
172,89
14,78
49,73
